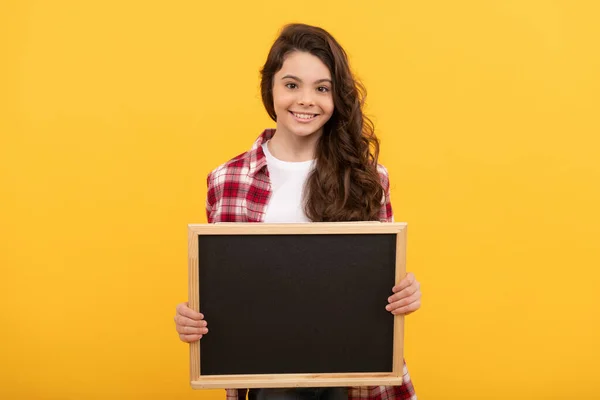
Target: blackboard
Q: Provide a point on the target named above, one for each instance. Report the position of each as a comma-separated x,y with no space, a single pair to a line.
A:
296,304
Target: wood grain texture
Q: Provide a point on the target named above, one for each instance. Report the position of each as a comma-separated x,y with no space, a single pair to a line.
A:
399,319
296,380
324,228
193,299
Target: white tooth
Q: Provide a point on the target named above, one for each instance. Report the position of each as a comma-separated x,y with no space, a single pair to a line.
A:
304,116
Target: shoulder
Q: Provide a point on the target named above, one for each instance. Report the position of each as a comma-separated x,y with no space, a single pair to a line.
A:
385,214
384,176
234,169
224,184
243,164
231,174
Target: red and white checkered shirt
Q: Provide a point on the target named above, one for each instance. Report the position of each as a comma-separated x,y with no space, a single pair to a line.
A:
239,191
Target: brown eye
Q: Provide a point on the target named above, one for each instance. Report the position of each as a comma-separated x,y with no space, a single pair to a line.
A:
291,85
323,89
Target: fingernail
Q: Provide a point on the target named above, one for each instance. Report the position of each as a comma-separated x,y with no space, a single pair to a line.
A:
388,307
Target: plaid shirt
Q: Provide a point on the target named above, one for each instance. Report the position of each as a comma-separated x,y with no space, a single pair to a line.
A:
239,191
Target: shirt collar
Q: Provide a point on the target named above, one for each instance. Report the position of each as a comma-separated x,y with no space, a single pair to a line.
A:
258,160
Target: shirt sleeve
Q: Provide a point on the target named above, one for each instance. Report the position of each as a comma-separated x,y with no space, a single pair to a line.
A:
386,213
211,198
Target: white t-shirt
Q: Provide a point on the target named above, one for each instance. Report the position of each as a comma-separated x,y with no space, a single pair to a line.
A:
287,186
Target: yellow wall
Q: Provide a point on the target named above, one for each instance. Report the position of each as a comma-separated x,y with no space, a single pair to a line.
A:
112,112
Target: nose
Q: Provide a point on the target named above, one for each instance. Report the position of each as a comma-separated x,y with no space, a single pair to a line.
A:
306,98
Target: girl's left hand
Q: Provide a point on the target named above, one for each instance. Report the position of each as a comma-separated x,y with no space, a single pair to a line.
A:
407,296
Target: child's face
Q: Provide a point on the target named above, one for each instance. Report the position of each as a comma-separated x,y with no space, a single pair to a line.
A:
302,95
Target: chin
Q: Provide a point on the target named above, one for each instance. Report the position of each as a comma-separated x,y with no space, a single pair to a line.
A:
305,134
304,131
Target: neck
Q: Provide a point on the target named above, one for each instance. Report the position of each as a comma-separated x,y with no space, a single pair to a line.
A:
293,148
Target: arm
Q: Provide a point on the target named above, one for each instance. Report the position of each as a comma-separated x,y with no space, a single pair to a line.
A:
190,324
386,213
211,198
406,297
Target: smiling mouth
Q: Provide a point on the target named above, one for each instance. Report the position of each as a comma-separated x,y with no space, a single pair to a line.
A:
304,116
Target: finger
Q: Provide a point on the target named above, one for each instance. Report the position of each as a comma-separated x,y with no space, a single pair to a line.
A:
190,330
184,310
407,309
406,292
415,297
185,321
189,338
404,283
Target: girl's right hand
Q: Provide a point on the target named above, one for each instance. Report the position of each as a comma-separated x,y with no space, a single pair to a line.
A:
190,324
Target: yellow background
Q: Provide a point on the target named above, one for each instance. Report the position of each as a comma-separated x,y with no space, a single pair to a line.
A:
113,112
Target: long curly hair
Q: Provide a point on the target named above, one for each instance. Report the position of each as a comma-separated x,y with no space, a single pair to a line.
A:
345,184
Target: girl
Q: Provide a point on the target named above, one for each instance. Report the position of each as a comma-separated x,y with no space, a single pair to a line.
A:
318,165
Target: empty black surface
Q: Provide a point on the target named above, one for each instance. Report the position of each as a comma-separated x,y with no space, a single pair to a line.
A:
296,303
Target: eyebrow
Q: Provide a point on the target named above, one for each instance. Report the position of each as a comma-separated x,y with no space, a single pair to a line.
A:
300,80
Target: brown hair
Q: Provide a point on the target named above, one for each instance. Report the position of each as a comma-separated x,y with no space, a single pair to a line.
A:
345,184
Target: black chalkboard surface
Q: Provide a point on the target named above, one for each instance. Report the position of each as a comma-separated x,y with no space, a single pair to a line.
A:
296,304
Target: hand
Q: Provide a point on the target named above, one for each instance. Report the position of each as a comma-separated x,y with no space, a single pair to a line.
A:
190,324
407,296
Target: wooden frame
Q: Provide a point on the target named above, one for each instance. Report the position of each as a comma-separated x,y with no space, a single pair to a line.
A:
296,380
